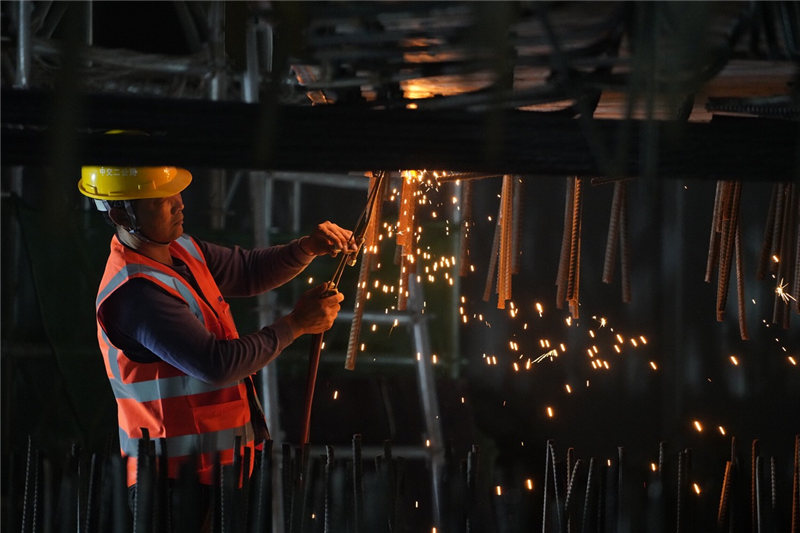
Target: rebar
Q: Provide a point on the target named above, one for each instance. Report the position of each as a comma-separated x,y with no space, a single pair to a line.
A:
358,485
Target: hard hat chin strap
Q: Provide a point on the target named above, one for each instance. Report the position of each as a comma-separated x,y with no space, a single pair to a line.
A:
135,229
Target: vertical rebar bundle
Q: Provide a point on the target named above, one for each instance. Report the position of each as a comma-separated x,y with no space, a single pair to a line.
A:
354,494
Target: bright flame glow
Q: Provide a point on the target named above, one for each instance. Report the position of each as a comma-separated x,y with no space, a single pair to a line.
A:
529,484
696,488
550,412
721,430
734,361
499,490
335,394
698,426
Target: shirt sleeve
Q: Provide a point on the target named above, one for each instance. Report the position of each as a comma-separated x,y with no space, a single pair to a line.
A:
242,272
149,324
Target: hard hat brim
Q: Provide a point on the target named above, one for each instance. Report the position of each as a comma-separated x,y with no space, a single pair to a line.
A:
178,182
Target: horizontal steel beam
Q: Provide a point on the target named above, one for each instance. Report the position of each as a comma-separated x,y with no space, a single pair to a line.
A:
340,139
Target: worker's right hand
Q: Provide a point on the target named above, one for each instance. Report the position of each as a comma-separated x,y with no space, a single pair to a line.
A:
316,310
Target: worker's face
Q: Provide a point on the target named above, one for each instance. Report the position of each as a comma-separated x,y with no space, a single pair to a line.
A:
160,219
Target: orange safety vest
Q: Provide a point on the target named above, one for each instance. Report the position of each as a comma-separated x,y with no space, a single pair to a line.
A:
184,416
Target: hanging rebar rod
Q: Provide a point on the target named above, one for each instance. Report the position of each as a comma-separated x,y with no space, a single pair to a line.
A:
505,225
493,260
624,244
769,228
573,277
517,210
726,247
563,259
713,240
360,301
613,238
466,225
724,497
740,296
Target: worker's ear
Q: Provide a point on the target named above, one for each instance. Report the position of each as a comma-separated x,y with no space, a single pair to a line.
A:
119,216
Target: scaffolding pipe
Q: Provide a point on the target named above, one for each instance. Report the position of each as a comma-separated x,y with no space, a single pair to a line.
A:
427,389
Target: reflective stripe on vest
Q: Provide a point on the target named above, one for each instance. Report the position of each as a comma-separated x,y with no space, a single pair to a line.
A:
188,244
133,270
183,445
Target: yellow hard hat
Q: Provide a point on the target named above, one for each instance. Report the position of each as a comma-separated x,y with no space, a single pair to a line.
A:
132,183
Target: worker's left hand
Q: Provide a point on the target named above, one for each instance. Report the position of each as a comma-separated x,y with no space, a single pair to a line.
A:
329,238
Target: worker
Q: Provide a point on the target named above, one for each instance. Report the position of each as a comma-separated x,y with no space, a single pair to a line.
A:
178,368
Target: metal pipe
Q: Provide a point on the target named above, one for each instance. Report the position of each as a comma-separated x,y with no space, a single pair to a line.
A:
23,73
427,384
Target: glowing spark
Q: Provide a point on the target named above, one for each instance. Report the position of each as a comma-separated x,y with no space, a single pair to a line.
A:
653,467
792,360
568,320
641,338
696,488
550,412
529,484
620,339
563,348
499,490
721,430
310,280
653,365
779,290
590,352
427,443
591,333
551,354
434,359
463,400
602,322
569,389
617,349
775,259
633,341
539,308
734,361
698,426
335,394
516,367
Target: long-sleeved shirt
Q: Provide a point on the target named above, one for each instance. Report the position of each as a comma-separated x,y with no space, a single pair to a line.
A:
148,324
